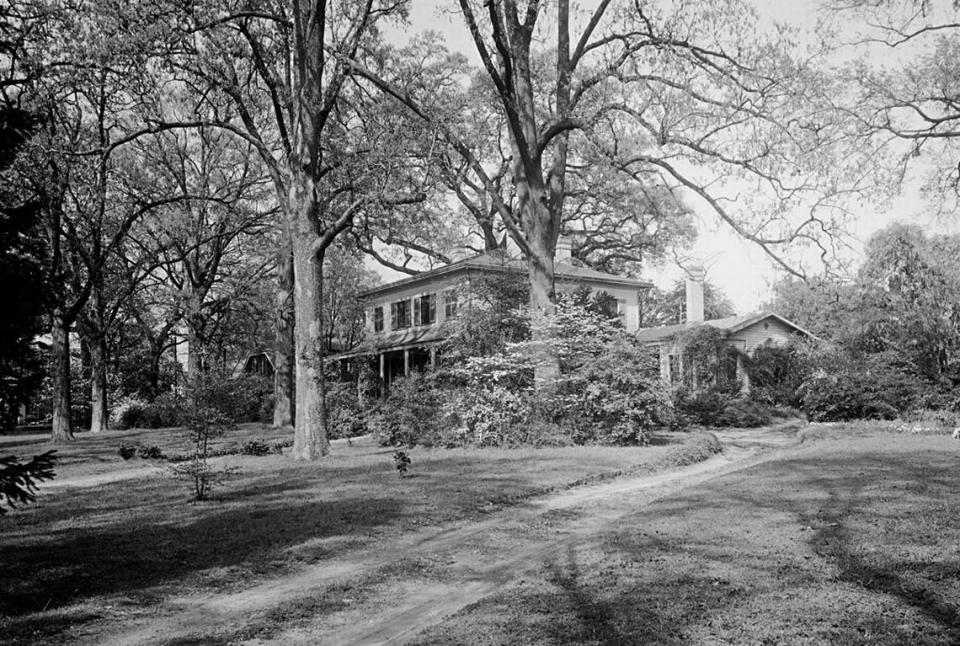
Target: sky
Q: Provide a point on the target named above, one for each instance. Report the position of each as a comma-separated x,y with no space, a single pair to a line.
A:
740,269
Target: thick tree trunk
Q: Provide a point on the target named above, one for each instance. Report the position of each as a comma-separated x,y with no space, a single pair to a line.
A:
283,356
98,384
540,271
60,367
310,429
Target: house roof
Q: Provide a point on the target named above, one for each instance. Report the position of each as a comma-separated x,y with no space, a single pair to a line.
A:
730,325
413,337
499,261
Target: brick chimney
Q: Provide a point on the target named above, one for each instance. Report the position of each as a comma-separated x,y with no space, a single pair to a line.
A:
695,276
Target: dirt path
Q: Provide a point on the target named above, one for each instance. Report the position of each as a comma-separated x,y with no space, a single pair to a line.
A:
478,557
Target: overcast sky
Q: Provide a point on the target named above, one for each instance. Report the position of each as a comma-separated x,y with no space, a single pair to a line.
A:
740,269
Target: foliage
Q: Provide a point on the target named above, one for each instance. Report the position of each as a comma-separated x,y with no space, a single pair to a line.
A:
18,480
23,286
246,398
743,413
132,412
775,374
701,448
614,397
345,417
844,386
255,447
708,360
402,461
609,391
126,451
205,418
410,414
489,317
149,452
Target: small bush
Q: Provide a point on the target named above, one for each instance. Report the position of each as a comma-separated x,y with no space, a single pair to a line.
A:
700,449
344,415
255,447
150,453
127,451
402,461
410,414
128,413
744,413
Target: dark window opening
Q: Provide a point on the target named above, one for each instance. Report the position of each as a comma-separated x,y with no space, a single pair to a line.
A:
424,309
399,315
378,319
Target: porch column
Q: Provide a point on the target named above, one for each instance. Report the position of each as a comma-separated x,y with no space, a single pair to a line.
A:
433,356
406,362
383,367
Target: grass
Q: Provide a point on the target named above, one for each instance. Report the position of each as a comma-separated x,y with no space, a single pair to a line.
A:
852,537
848,540
129,544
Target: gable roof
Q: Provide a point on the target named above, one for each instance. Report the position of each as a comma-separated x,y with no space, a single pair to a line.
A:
730,325
498,261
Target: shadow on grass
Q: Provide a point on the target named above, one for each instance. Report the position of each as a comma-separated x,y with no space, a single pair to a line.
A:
76,564
802,550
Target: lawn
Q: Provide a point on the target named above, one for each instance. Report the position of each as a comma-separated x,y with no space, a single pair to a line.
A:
852,536
843,541
80,553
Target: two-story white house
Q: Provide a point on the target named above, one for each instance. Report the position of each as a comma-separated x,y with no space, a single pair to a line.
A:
407,320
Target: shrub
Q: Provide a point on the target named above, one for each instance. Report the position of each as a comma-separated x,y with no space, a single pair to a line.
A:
702,407
165,410
150,452
775,375
608,399
255,447
247,398
344,415
204,423
744,413
699,449
127,451
129,413
410,414
872,386
485,416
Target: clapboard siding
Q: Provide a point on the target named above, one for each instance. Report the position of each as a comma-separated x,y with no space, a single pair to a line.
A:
760,332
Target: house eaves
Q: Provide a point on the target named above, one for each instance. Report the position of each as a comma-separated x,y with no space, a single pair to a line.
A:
495,261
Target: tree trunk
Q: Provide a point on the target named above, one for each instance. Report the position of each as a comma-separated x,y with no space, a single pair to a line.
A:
310,429
283,356
60,366
540,271
98,384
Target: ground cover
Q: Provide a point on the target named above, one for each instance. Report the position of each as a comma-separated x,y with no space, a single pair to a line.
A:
99,548
852,540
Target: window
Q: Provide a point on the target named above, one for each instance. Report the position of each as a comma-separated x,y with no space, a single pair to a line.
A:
378,319
450,304
399,315
675,368
424,309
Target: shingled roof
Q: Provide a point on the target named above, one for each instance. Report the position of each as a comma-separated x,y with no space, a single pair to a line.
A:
731,325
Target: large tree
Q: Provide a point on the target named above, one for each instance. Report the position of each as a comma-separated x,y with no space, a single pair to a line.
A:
275,75
693,97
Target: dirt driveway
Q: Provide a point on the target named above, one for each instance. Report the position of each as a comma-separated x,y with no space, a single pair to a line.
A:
390,594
